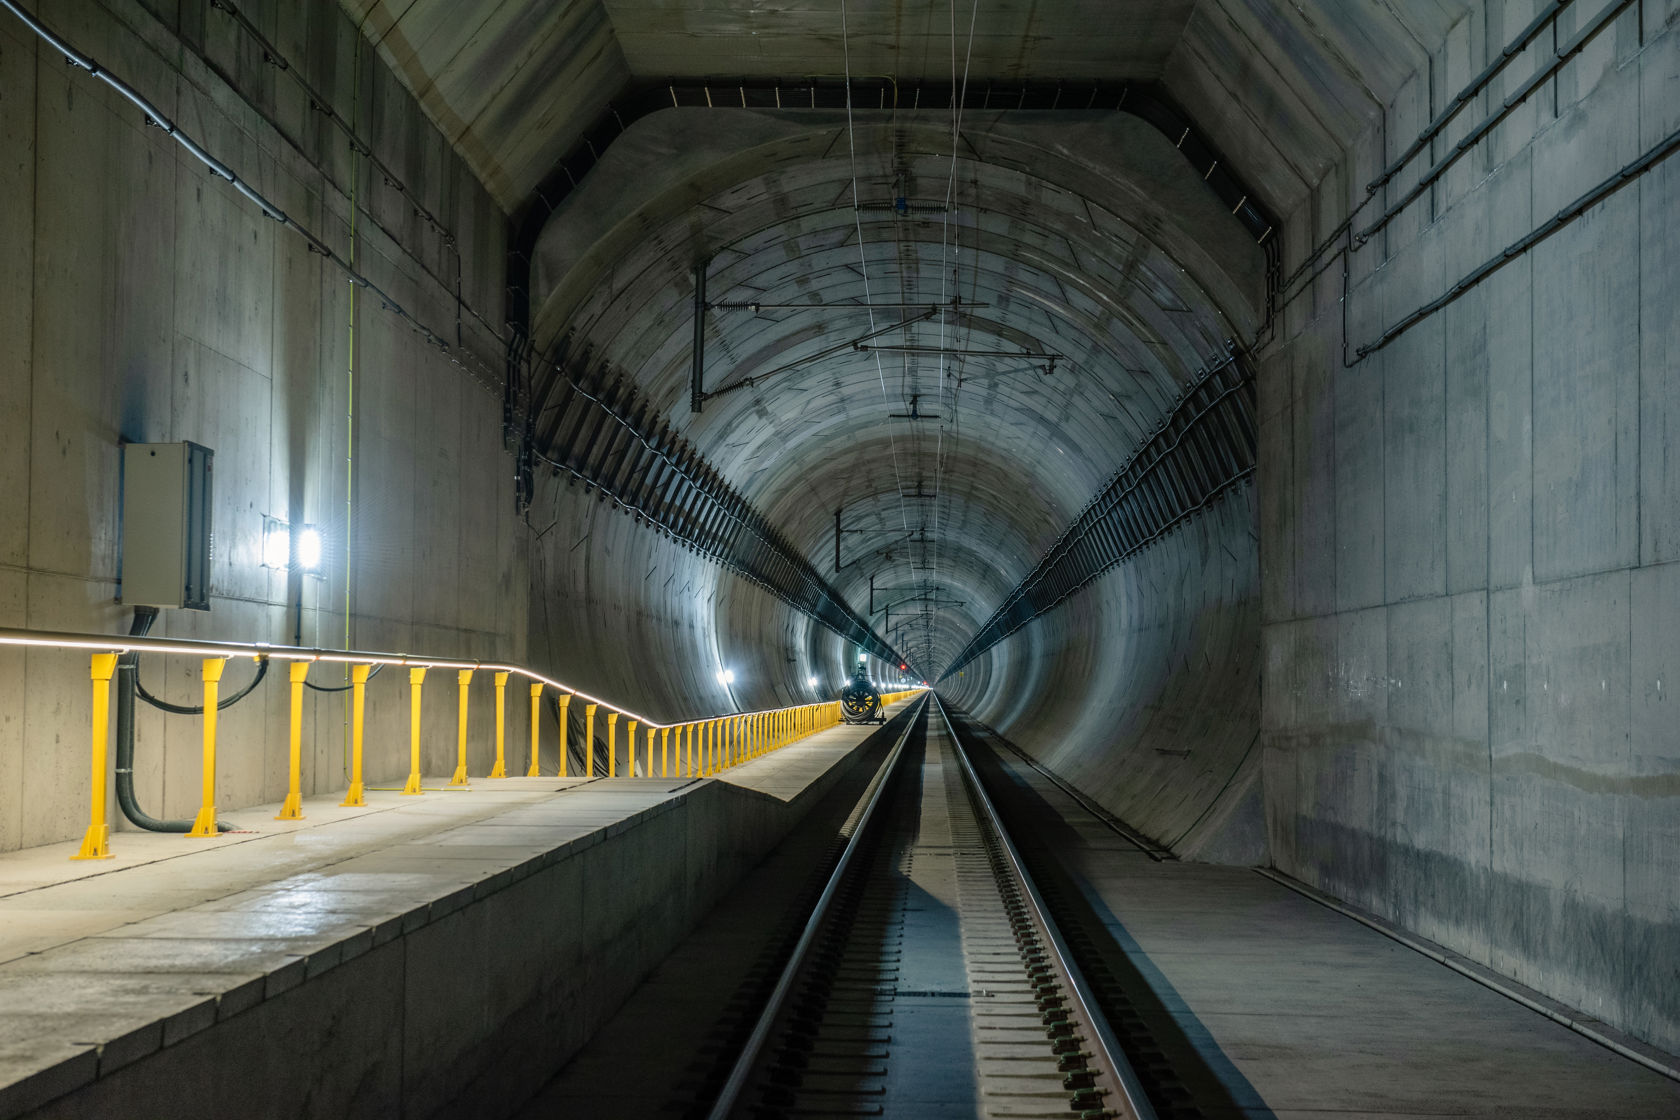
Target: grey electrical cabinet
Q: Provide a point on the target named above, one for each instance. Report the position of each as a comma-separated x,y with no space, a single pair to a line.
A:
166,525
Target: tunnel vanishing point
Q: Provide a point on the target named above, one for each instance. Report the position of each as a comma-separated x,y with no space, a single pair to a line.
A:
1258,423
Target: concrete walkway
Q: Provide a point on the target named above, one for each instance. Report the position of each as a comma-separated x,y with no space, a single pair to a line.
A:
1291,1010
103,965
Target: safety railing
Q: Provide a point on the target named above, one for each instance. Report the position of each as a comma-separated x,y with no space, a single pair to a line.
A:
692,748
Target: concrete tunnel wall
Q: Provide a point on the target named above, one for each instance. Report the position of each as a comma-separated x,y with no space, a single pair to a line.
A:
1469,540
145,300
1143,689
159,305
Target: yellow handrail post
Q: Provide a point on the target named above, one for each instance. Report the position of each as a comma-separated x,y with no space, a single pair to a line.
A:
648,772
411,788
95,842
612,744
630,749
463,677
708,739
691,771
665,750
205,823
500,769
292,808
536,728
358,710
565,730
589,740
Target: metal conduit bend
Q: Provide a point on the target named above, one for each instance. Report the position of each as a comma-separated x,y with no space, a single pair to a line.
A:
128,683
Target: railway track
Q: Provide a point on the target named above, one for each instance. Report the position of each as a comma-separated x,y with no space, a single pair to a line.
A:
930,979
895,957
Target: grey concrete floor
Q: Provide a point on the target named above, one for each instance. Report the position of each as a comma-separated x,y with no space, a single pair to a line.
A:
1300,1012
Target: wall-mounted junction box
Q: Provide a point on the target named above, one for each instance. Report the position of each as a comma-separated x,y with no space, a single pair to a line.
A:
166,525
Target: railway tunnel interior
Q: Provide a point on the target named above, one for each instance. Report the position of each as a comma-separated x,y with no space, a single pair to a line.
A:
1256,413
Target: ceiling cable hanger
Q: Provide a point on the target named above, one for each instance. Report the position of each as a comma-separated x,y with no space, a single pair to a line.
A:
913,414
829,352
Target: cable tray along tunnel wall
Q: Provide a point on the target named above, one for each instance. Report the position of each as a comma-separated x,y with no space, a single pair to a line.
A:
600,429
1205,446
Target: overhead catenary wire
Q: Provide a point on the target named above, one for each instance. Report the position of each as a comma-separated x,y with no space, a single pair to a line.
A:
957,104
863,254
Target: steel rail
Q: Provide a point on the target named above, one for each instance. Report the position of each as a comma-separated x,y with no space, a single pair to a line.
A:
730,1095
1136,1103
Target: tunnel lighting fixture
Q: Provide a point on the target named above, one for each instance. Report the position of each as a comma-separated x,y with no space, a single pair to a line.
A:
812,681
863,658
309,549
276,544
726,676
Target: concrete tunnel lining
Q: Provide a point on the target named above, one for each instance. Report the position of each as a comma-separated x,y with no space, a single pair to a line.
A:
642,300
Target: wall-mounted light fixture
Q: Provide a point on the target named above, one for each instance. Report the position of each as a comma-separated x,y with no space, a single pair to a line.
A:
812,681
276,544
726,677
309,550
282,548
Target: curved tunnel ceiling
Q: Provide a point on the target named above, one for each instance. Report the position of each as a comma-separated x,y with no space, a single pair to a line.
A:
1083,236
514,84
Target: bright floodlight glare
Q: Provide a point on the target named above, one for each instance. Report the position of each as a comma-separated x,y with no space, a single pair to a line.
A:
812,681
862,657
726,676
309,548
276,543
